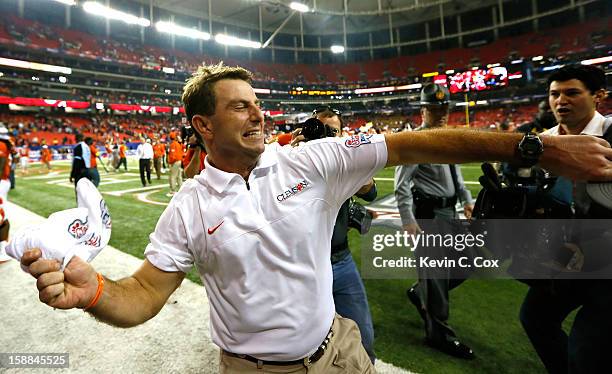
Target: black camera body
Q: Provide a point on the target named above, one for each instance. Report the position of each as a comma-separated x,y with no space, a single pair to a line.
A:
359,217
313,129
186,132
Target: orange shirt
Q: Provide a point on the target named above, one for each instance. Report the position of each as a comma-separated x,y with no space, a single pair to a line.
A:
45,154
176,152
158,150
24,152
189,155
4,153
122,149
94,156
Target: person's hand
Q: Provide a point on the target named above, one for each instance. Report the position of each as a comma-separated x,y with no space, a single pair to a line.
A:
412,228
75,287
468,209
297,137
579,157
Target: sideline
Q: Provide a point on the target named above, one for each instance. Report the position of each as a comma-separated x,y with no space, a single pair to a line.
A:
177,340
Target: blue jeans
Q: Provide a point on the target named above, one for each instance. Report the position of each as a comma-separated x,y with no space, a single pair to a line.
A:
351,300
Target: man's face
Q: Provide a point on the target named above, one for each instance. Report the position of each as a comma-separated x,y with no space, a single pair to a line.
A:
435,115
236,128
333,122
572,103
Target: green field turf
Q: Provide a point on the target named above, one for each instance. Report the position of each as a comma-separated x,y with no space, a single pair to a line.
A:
484,313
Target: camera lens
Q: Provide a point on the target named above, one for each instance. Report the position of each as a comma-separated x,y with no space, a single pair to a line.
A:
313,129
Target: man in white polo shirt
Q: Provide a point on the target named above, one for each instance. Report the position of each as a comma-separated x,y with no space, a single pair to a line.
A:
257,224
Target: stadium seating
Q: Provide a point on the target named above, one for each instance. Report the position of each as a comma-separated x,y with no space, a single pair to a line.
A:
572,38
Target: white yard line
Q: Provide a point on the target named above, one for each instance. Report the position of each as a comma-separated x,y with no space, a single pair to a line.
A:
123,192
145,199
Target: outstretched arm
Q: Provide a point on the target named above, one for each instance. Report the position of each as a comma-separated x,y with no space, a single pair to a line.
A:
579,157
124,303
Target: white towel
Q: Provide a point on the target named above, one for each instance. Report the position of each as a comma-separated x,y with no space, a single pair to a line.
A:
82,231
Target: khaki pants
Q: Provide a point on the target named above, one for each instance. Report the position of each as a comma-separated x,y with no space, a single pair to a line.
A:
345,354
176,176
157,164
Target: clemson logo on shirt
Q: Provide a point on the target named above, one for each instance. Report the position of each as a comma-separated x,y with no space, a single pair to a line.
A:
357,140
78,228
299,187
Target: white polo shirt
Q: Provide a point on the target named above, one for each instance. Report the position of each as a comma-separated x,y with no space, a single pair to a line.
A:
262,249
597,126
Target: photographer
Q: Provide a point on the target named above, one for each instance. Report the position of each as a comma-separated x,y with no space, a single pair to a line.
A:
574,94
425,192
349,293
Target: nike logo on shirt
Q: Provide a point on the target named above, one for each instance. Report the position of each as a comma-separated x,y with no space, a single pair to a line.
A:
213,229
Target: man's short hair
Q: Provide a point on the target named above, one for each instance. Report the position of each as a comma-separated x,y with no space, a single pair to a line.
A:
329,113
591,76
198,93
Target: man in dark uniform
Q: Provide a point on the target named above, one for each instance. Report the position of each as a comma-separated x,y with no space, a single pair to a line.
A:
433,193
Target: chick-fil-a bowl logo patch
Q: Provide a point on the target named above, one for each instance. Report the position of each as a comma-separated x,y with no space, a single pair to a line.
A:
357,140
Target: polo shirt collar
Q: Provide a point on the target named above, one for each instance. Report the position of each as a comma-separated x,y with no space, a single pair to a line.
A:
595,127
219,180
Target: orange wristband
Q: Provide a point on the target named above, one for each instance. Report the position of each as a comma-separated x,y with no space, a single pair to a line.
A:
98,292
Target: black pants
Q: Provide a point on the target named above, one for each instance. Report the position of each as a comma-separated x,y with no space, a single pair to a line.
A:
435,283
587,349
144,164
122,161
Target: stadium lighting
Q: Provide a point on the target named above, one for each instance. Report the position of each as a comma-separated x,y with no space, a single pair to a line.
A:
106,12
232,40
34,66
261,90
66,2
415,86
537,58
493,65
593,61
172,28
62,79
519,61
337,49
302,8
361,91
450,72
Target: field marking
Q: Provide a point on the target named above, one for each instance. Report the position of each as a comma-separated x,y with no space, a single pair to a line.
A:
123,192
52,174
115,181
391,179
144,198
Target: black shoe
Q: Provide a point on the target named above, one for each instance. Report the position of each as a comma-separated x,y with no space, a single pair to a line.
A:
416,301
452,347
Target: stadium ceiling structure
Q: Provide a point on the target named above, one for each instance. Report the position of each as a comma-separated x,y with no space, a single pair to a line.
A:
324,17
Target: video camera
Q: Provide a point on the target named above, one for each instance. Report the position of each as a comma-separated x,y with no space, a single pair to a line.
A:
517,192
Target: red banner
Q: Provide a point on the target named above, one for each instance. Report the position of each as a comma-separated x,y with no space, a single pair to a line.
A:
143,108
27,101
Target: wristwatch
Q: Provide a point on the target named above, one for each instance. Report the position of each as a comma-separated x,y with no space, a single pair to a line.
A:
529,149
